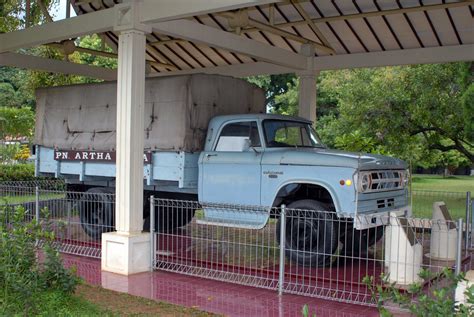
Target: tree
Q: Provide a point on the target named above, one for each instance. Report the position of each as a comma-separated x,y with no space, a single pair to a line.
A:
402,108
13,14
16,122
282,94
421,113
274,85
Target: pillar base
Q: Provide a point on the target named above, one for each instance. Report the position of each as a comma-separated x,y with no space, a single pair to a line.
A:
125,254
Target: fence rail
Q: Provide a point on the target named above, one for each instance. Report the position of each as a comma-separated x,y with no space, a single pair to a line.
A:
77,219
299,251
306,252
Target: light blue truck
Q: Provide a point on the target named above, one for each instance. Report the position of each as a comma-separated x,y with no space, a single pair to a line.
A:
250,159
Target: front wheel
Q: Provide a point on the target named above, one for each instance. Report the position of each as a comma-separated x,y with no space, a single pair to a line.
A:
310,233
357,242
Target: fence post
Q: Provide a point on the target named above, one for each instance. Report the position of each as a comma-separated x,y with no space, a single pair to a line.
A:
281,276
459,246
467,236
152,233
37,209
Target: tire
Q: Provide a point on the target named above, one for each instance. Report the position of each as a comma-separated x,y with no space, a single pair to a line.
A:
170,218
358,242
311,233
96,212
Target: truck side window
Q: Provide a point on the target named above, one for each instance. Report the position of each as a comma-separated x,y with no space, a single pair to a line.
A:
235,137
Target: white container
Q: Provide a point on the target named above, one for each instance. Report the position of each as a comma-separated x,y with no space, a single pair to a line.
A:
403,255
443,234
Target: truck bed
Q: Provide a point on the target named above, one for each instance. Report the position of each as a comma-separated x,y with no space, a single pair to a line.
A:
167,171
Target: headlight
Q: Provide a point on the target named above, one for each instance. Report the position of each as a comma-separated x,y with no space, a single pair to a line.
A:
364,182
405,178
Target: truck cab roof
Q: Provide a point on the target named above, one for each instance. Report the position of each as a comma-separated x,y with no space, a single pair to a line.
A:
219,120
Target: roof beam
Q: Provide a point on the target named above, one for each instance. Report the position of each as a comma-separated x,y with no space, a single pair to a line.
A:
428,55
56,66
103,20
95,22
236,70
240,19
199,33
166,10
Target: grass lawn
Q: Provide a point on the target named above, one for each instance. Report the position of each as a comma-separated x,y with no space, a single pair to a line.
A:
96,301
452,190
11,199
447,184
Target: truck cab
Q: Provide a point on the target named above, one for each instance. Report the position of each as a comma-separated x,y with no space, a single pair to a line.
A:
273,160
267,160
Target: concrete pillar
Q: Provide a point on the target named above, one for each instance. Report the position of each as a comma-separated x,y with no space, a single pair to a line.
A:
307,88
127,251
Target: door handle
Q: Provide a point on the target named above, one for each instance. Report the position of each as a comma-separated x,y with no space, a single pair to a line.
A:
209,155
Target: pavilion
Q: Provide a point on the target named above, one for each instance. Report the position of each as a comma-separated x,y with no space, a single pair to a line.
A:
236,38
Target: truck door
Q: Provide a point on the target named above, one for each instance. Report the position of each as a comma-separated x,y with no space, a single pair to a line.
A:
231,172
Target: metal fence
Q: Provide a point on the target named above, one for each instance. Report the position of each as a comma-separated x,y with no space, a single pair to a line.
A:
77,219
422,203
306,252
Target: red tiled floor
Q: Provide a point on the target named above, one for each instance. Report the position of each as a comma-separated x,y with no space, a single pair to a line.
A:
213,296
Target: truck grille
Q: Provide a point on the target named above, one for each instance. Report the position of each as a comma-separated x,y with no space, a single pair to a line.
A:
386,180
381,180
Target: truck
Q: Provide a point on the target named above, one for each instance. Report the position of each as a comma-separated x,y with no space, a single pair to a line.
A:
209,139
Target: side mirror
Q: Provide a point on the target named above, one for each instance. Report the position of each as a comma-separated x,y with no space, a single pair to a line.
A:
246,145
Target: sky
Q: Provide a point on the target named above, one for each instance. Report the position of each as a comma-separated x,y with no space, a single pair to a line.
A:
59,12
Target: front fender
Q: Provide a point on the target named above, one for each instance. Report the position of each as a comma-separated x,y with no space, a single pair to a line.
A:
323,184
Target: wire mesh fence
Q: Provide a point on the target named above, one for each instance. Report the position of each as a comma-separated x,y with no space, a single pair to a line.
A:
77,219
422,203
306,252
300,251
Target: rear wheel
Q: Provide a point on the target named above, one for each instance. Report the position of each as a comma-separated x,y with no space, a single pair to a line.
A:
96,211
169,218
310,235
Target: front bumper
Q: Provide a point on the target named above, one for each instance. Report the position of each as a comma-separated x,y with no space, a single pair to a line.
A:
365,221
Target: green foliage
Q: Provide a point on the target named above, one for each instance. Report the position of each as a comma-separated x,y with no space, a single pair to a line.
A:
13,14
94,42
8,153
305,312
273,85
17,172
407,110
25,282
16,122
437,302
467,101
421,113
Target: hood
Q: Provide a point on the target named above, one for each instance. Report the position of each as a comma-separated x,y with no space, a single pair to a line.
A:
327,157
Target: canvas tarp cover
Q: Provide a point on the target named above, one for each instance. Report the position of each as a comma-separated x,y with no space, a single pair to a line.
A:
177,112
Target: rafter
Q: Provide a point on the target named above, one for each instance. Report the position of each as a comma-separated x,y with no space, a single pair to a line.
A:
56,66
430,7
199,33
104,20
109,55
311,24
240,19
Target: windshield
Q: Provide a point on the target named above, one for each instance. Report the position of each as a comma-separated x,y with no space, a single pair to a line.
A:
280,133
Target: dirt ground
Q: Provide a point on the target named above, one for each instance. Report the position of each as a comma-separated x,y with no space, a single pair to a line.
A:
120,304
